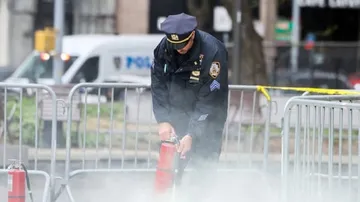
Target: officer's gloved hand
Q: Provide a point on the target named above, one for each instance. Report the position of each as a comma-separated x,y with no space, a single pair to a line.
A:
185,146
165,131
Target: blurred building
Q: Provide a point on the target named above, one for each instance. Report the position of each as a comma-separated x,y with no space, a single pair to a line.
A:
21,18
132,19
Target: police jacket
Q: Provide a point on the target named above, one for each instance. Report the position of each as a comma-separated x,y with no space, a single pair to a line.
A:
191,92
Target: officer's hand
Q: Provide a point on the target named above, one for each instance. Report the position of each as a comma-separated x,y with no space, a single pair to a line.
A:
165,131
185,146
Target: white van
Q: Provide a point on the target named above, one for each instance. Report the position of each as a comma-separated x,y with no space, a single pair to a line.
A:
93,58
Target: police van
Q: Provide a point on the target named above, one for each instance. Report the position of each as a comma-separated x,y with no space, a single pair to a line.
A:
93,58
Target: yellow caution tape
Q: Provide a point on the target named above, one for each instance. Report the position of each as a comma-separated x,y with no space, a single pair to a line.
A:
263,90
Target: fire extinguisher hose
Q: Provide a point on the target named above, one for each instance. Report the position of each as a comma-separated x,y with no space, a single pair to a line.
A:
28,182
176,163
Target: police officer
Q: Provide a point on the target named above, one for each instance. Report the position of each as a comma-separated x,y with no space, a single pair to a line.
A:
189,85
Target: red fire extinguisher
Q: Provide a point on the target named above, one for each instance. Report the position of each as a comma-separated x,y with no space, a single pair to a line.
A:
167,165
18,179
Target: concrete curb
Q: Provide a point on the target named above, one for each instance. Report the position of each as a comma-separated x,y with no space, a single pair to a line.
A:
117,154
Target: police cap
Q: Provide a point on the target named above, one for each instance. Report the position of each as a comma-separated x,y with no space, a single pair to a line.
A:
178,29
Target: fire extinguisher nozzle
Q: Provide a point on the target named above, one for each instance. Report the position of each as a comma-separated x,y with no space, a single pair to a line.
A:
175,139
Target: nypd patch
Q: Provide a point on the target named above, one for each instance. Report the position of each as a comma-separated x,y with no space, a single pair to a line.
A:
214,69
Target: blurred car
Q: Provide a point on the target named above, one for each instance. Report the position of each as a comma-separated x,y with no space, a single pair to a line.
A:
5,72
304,78
354,79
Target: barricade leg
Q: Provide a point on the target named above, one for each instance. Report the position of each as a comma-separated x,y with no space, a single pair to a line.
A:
247,126
20,132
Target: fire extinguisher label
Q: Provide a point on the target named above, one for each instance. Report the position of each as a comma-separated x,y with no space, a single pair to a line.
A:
10,182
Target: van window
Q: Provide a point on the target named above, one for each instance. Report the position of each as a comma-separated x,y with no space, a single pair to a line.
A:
88,72
328,83
36,67
332,83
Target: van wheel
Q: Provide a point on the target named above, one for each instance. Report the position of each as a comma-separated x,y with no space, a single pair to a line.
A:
118,94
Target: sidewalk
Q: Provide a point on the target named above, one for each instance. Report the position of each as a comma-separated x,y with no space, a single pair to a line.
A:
117,154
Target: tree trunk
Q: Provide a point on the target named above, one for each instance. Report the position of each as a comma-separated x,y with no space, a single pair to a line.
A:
252,62
253,68
201,9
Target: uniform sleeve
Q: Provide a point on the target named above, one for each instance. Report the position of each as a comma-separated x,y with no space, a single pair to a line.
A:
159,89
212,98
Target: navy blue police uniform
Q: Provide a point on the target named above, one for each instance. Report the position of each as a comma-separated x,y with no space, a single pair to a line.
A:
190,91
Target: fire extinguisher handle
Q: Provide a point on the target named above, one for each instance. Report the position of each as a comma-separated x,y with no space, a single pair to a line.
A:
12,163
173,140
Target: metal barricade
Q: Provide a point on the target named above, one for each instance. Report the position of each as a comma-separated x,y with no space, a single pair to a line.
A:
118,135
320,159
247,129
20,135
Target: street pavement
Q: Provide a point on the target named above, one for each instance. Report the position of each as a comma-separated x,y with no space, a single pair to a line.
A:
138,187
251,185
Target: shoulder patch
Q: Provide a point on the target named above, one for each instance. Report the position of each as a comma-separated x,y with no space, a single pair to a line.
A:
214,69
214,85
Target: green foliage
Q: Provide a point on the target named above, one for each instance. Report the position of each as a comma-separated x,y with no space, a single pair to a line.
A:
23,120
104,110
92,140
26,122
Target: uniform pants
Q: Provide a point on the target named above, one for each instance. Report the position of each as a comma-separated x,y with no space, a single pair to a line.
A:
202,159
204,154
